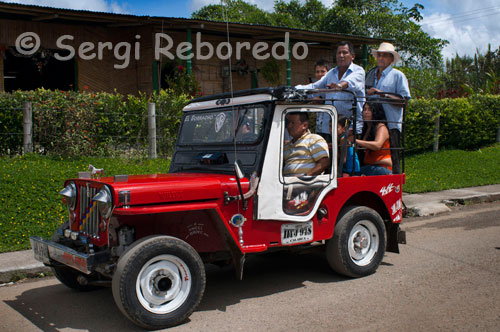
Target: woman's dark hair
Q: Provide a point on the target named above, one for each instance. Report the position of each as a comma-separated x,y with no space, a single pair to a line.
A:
378,116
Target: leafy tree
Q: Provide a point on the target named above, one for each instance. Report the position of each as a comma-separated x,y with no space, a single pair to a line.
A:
479,75
298,14
234,11
424,82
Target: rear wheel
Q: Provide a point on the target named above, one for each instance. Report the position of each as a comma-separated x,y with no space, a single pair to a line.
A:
159,282
358,243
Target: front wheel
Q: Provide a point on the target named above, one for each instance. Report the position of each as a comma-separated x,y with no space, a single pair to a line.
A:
358,243
70,278
159,282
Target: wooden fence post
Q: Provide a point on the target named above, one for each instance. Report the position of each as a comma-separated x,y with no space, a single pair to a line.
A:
152,130
27,128
435,147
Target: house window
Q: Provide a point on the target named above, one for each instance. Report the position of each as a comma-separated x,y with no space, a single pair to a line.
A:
39,70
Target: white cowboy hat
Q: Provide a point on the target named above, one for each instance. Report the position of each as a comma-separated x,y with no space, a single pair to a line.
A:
387,48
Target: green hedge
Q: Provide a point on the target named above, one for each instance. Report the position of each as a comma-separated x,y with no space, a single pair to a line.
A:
99,124
465,123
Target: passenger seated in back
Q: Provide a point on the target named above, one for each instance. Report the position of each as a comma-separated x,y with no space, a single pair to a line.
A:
349,153
375,139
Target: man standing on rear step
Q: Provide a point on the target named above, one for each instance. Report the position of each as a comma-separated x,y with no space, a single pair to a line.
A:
382,79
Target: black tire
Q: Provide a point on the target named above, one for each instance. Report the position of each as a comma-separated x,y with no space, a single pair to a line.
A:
69,278
170,267
358,243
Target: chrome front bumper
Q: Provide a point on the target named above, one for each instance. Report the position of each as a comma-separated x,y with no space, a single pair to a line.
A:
46,251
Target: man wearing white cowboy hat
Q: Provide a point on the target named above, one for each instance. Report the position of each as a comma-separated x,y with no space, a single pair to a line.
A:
381,80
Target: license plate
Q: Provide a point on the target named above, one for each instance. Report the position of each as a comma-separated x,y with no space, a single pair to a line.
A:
40,251
47,251
69,257
296,233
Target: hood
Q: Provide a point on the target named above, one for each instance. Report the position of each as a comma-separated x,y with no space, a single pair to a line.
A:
177,187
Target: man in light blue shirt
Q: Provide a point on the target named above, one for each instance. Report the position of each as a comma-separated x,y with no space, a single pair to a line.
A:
387,79
346,76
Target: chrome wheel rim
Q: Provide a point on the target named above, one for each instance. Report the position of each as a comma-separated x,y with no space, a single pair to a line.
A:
363,242
163,284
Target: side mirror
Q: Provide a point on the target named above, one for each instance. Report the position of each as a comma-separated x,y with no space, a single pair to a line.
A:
240,175
238,171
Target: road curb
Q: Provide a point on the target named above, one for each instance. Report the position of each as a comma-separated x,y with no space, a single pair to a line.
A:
474,199
23,272
434,208
428,209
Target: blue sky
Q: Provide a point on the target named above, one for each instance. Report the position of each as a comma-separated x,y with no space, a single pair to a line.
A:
467,24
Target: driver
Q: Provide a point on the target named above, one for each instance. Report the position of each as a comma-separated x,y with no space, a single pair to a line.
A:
306,153
245,133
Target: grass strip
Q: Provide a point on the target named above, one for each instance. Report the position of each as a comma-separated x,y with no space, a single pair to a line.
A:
451,169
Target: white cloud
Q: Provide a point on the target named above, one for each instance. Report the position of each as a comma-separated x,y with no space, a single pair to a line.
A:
92,5
467,25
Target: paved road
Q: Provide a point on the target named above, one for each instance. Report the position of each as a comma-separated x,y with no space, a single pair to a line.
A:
446,279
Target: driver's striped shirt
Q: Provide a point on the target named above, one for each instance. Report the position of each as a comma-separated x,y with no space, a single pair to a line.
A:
301,157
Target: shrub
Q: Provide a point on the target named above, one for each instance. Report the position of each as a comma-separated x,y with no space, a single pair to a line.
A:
94,124
11,121
465,123
169,110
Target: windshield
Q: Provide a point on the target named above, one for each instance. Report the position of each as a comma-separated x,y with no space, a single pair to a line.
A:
219,126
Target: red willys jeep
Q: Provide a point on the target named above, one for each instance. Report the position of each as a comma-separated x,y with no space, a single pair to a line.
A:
224,198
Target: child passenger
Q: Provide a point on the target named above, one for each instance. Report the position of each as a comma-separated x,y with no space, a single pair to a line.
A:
323,121
321,67
342,135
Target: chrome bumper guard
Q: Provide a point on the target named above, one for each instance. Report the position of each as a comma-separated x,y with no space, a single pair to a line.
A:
46,251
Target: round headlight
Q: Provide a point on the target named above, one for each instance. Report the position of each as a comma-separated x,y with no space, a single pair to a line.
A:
69,194
104,202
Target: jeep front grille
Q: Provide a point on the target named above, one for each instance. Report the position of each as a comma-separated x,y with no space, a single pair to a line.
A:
88,211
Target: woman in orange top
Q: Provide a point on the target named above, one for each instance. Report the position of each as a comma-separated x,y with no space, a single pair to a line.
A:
375,139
